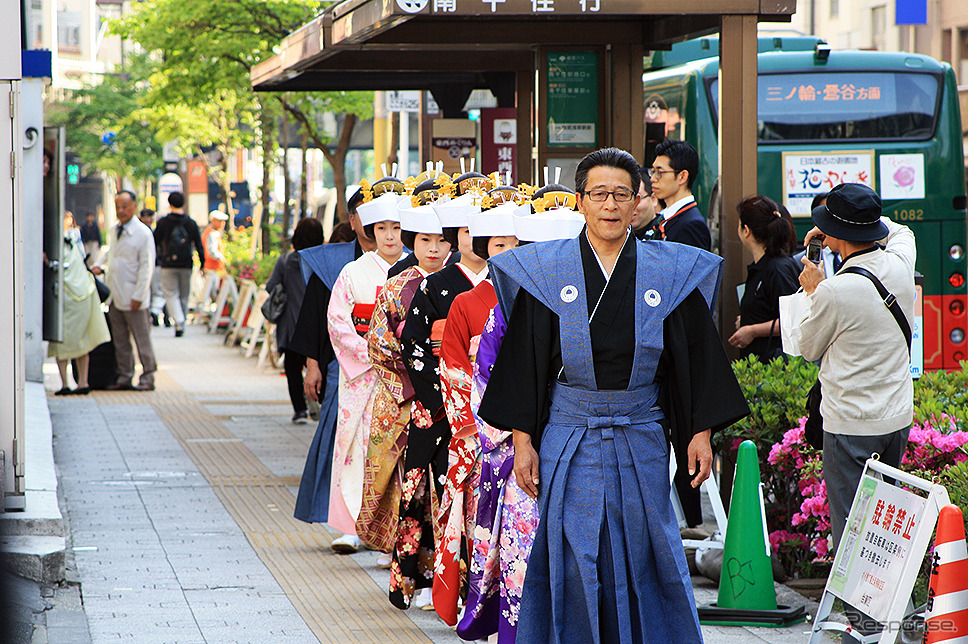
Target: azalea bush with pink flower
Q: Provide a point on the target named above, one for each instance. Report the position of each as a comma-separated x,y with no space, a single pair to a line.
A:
935,444
796,504
796,495
792,472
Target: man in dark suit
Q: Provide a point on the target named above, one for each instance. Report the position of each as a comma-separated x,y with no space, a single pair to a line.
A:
673,173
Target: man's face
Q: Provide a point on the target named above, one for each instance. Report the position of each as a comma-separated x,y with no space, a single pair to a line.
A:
356,225
218,224
124,206
607,220
665,180
645,211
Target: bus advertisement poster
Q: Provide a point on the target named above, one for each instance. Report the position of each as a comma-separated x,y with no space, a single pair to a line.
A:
877,546
806,174
902,176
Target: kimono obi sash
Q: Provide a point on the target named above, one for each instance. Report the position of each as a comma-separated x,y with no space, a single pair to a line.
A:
602,411
437,335
362,314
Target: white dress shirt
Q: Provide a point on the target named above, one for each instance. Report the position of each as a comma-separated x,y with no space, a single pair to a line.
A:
131,261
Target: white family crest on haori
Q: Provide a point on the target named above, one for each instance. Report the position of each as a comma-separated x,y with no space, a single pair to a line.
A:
569,294
652,297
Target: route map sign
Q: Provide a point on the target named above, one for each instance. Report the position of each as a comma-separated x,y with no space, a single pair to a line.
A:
572,98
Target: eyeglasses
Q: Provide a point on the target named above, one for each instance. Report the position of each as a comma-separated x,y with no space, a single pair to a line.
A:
622,195
654,171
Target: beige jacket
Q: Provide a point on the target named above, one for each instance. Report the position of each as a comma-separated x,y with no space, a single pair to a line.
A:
865,372
131,262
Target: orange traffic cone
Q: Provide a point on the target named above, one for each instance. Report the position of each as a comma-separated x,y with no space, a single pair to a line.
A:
946,620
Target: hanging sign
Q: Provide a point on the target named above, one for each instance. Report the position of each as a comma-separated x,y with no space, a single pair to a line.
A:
572,98
499,140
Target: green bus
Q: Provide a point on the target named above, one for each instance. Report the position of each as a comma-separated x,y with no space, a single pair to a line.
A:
889,120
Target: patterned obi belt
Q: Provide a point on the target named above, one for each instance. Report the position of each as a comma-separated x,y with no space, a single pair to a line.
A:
437,336
362,313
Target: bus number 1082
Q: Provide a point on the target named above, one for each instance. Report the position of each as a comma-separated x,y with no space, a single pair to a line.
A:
909,215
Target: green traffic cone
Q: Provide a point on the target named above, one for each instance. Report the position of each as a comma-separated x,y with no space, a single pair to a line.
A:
746,581
746,594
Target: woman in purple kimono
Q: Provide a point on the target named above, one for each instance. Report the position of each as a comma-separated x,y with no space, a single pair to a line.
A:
507,518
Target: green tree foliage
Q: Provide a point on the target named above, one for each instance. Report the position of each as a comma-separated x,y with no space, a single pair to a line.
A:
776,393
107,107
205,50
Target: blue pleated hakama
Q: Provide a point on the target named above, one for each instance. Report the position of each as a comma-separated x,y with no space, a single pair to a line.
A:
312,500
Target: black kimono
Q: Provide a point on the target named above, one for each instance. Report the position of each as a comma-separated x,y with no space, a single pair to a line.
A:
428,441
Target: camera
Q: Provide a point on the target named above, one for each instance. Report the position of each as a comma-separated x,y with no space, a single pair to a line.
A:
815,249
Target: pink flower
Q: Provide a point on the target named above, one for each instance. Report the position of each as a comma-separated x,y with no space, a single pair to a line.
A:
904,176
820,546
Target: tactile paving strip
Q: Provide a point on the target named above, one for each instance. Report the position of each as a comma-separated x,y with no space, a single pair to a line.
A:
336,598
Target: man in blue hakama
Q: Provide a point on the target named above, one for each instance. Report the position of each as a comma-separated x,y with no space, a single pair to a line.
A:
320,269
610,355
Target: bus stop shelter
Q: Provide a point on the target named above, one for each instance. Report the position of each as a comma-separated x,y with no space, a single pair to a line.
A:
512,47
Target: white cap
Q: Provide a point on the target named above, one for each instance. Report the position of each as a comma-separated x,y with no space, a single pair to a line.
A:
421,219
559,223
454,213
218,214
496,222
383,208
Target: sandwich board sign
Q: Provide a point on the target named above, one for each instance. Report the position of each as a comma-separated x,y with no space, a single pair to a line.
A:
880,554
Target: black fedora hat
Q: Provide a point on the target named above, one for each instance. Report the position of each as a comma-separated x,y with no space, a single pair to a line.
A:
852,213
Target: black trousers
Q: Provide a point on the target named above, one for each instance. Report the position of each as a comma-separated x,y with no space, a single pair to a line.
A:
293,364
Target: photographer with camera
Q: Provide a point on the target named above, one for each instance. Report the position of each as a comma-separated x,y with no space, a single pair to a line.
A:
865,378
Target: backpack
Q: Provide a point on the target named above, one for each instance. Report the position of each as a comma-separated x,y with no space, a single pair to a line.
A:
178,250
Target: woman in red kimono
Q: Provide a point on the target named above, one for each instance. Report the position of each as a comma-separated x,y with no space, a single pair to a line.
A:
492,232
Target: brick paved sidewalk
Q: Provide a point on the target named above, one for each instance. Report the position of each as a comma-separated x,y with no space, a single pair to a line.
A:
180,509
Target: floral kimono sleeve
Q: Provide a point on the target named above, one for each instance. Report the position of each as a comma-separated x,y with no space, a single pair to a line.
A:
350,348
384,346
456,370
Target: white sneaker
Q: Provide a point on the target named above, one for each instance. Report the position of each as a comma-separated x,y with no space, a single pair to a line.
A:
383,561
346,545
424,599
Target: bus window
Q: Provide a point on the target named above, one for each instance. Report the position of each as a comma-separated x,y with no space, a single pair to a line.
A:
845,105
664,115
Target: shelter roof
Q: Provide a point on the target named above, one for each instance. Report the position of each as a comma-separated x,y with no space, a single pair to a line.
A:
416,44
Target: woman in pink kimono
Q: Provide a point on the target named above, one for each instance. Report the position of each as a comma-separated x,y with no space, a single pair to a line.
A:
348,318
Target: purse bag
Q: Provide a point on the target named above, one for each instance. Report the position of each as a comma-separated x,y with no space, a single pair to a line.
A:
813,429
275,304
